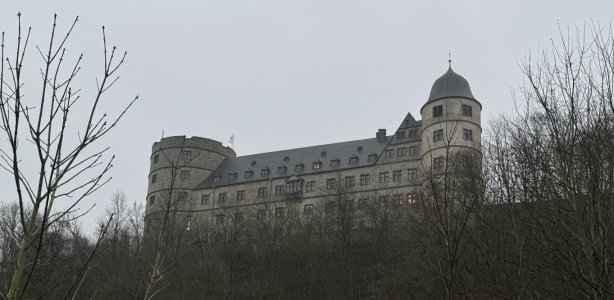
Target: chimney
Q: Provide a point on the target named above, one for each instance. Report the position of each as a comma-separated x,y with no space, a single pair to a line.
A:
381,135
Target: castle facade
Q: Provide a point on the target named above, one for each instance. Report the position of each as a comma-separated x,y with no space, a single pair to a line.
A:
210,184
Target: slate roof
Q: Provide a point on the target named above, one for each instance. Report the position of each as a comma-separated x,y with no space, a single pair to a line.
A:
449,85
290,158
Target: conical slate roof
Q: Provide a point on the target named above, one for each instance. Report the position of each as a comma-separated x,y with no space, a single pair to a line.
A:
450,85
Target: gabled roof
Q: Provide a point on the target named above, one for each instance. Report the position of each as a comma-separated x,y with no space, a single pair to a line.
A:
271,160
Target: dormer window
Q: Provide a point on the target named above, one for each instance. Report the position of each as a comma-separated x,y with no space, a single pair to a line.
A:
232,176
265,172
334,163
401,135
282,170
217,178
299,167
372,157
353,160
249,174
317,165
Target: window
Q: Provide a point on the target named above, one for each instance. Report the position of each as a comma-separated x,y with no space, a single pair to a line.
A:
372,157
295,186
396,175
438,135
308,210
401,135
329,208
154,178
232,176
383,201
156,159
249,174
350,181
265,172
413,150
401,152
412,134
466,110
279,212
186,155
437,111
383,177
334,163
389,153
222,197
353,160
398,199
362,204
217,178
240,195
182,196
438,163
365,179
299,167
219,219
467,134
262,193
412,173
317,165
279,190
261,214
152,199
310,187
411,199
239,217
204,199
282,170
331,183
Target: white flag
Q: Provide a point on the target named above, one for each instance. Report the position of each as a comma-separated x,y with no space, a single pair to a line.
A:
232,139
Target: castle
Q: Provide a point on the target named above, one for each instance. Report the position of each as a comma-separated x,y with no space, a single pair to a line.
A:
215,186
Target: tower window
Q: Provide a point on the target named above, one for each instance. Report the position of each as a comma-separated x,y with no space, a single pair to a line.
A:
154,178
466,110
186,155
184,175
438,135
437,111
152,199
156,158
467,134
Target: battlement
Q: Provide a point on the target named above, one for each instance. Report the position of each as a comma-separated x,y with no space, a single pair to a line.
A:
194,142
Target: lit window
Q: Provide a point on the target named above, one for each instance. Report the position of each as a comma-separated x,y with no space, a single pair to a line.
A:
310,187
279,190
240,195
265,172
279,212
383,177
411,198
438,163
364,179
222,197
467,134
466,110
438,135
437,111
353,160
396,175
389,153
372,157
262,193
401,152
334,163
317,165
299,167
331,183
401,135
412,173
156,159
282,170
204,199
249,174
186,155
154,178
152,199
308,210
350,181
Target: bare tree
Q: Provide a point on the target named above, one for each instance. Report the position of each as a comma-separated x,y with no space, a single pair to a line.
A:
68,168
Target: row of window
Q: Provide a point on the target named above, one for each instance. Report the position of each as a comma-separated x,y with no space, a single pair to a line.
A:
438,135
401,152
466,110
410,134
185,156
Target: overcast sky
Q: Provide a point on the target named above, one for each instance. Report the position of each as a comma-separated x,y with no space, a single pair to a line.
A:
284,74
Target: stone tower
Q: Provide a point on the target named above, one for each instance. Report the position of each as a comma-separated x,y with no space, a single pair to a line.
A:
183,163
451,121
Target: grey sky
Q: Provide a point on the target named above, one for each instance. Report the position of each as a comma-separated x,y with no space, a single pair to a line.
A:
284,74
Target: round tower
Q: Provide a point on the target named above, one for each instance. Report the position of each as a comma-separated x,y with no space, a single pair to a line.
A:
180,164
451,121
